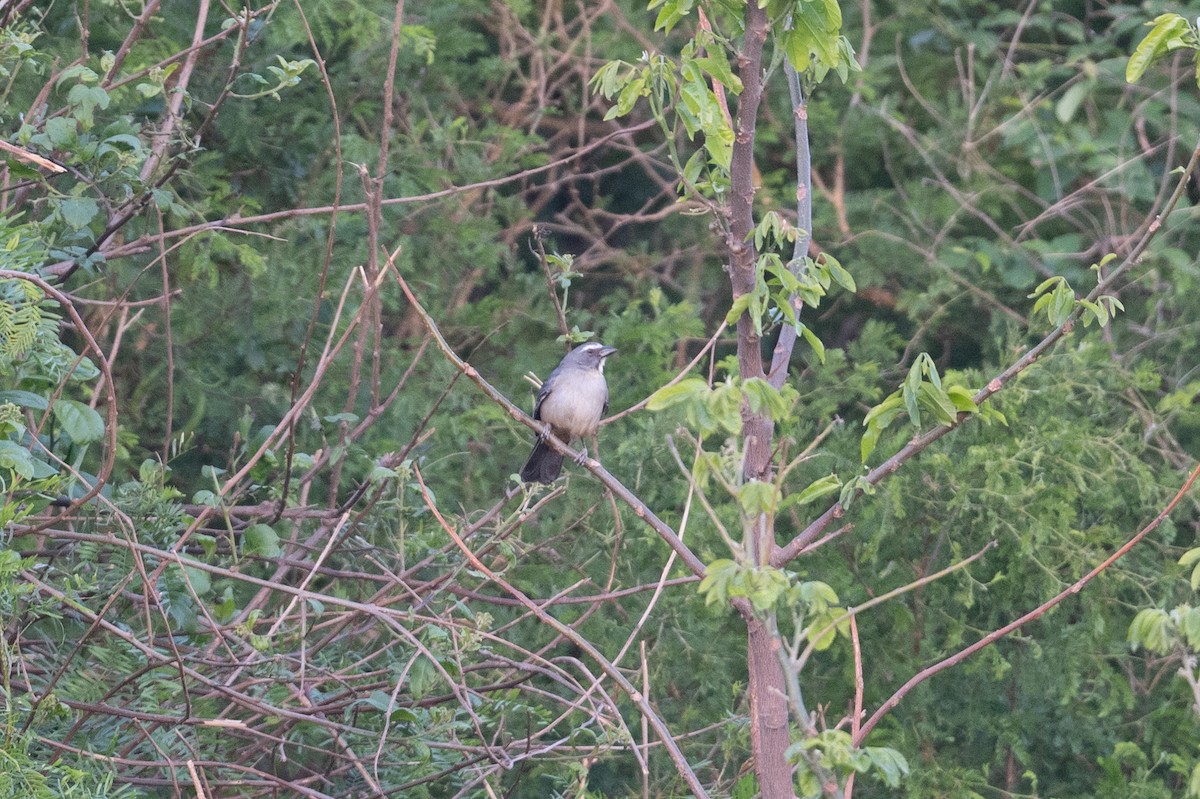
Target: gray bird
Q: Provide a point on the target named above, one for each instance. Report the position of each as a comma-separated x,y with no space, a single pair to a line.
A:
570,403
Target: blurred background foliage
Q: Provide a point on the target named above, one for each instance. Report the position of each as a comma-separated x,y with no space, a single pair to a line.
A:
981,149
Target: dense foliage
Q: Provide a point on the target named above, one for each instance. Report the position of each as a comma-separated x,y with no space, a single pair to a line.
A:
260,535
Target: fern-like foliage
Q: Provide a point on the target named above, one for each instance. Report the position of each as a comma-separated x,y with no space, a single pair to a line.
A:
27,319
24,319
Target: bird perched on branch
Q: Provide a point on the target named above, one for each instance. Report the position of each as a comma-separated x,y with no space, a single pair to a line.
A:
570,404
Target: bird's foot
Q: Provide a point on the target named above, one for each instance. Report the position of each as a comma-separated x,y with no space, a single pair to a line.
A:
582,457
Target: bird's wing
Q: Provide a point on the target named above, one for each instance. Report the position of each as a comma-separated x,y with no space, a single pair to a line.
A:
543,392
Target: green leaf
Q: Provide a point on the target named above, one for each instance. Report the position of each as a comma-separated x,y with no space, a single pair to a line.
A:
1046,285
717,66
85,100
338,418
721,410
936,399
740,304
839,273
16,458
684,391
763,398
696,98
763,587
198,579
813,341
1168,32
717,577
61,132
1188,621
81,422
163,199
890,764
757,497
814,34
206,498
817,489
78,212
671,13
634,89
798,45
1151,629
1094,312
747,787
912,394
817,596
382,701
718,140
26,399
1056,300
822,632
1071,99
207,542
1192,558
261,540
877,420
962,398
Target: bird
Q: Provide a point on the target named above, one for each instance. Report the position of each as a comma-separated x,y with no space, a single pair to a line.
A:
569,404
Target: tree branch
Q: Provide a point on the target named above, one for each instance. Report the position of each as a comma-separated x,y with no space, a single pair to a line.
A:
1032,615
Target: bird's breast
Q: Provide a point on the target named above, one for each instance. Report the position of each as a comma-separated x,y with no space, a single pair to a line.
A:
575,405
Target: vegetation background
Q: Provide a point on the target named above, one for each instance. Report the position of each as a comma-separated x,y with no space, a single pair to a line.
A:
259,536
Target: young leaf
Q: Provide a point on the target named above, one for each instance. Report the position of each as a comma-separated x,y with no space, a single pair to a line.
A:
822,632
912,395
813,341
817,489
962,398
877,420
817,596
1150,628
936,399
717,577
1188,620
1046,285
839,273
1168,32
764,587
717,66
683,391
890,764
1190,558
757,497
740,304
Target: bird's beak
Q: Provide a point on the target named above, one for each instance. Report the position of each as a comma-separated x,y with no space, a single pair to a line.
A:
607,351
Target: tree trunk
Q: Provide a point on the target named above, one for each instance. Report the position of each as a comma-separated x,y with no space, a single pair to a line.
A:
768,714
768,704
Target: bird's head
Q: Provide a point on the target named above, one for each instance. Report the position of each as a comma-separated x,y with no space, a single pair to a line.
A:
591,355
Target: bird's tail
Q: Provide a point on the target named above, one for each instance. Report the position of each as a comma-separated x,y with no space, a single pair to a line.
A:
544,465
